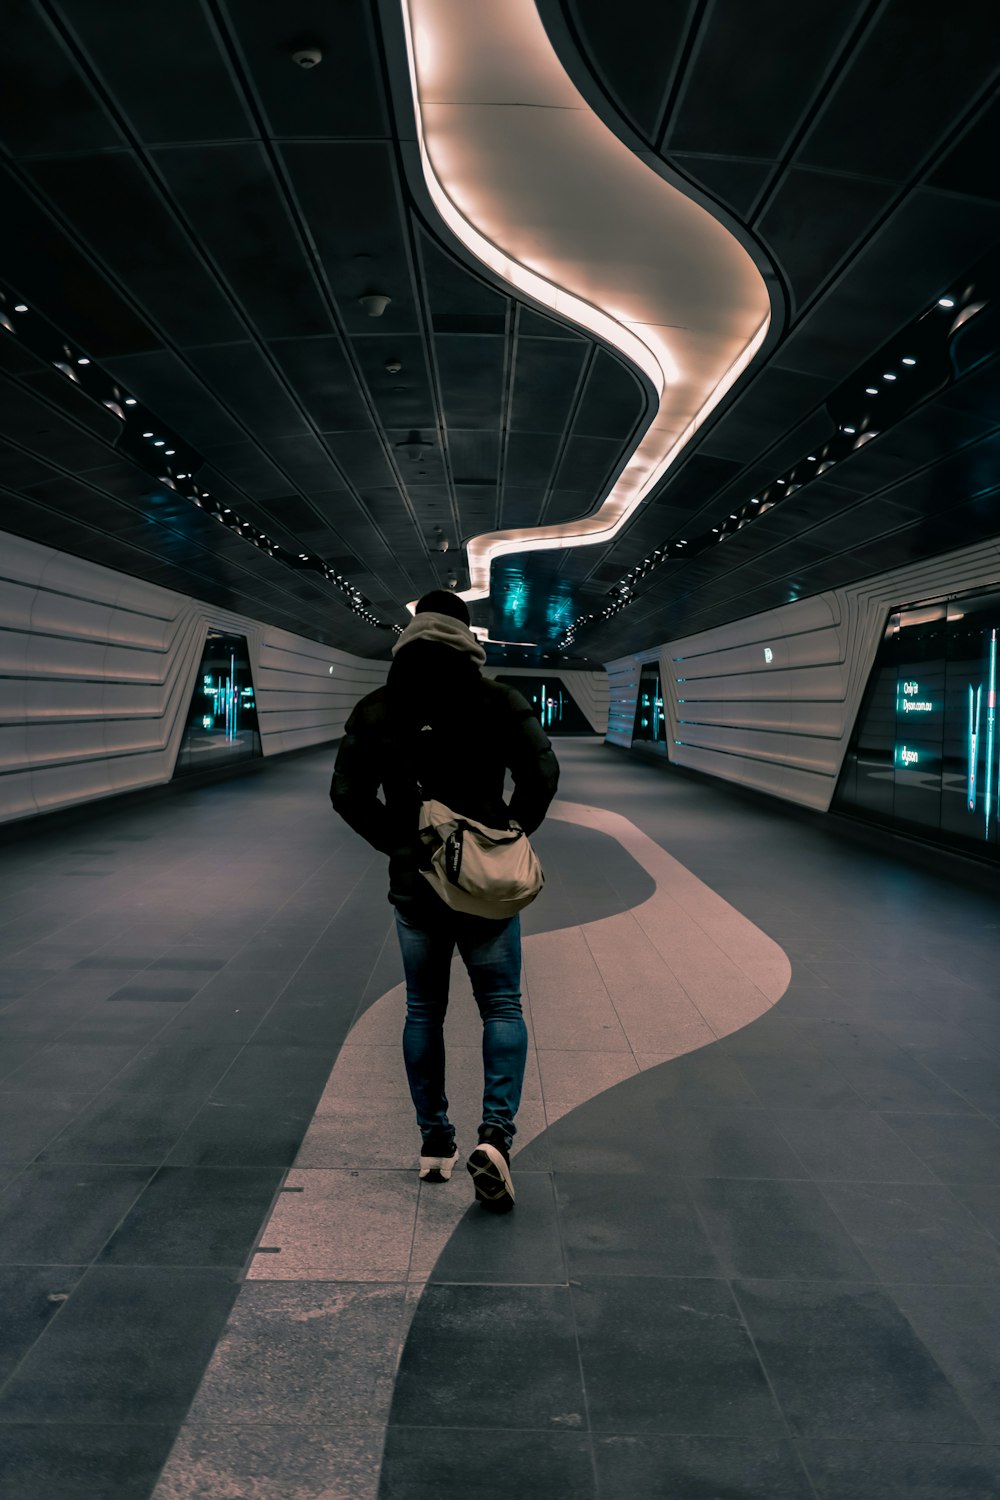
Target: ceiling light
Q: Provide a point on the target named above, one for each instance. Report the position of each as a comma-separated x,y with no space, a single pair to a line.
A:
147,434
171,452
130,401
83,361
158,443
732,515
871,390
946,302
851,430
755,501
888,376
20,307
907,360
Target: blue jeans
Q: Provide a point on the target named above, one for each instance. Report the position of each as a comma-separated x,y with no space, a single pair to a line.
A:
491,952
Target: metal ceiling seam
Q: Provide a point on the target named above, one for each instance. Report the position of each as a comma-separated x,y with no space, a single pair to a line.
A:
430,354
266,141
524,39
869,12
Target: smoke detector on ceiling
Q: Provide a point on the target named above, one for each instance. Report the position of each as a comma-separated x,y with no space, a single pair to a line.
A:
374,303
307,57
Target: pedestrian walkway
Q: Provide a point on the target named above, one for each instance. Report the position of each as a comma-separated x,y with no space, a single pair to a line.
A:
756,1244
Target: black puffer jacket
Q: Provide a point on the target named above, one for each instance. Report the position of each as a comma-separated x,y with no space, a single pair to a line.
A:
438,724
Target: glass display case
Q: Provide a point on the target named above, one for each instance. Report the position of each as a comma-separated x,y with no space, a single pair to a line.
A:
222,723
925,751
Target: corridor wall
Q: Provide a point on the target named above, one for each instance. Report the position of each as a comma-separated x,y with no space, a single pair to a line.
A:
97,671
770,701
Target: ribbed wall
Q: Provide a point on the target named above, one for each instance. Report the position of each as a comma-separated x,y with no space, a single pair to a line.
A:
97,671
589,690
623,690
770,701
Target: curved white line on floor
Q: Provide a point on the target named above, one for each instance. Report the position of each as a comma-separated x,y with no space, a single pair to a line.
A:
604,1001
354,1234
533,183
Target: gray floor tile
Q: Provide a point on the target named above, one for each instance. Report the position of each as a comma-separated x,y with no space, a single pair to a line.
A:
491,1356
960,1325
915,1232
128,1347
55,1213
520,1247
426,1465
195,1216
75,1067
670,1356
910,1471
30,1297
659,1468
92,1462
983,1202
956,1148
844,1362
850,1146
242,1135
122,1128
775,1229
631,1226
29,1119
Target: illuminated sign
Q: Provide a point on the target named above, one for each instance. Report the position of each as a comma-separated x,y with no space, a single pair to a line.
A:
907,757
768,654
910,702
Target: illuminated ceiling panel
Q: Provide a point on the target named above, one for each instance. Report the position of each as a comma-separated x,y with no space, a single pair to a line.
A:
533,183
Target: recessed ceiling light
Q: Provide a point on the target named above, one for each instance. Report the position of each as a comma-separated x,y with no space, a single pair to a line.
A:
130,401
147,434
851,430
158,443
871,390
907,360
20,307
888,376
171,452
946,302
83,361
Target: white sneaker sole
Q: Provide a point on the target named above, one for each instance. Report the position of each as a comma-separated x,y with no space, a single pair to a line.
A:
491,1177
437,1168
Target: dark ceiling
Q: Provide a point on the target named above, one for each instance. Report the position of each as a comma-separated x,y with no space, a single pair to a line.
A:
198,217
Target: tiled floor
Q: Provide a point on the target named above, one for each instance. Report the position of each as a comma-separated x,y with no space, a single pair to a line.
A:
768,1267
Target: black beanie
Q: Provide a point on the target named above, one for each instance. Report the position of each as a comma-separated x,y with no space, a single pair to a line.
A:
444,603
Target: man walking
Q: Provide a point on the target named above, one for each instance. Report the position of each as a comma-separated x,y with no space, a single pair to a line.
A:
439,729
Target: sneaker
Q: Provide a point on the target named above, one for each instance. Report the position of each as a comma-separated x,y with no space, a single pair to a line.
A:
489,1165
438,1154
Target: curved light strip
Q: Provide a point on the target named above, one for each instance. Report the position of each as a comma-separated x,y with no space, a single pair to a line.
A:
474,30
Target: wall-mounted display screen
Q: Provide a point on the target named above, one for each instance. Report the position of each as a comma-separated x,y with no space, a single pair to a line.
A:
925,752
650,727
558,712
222,721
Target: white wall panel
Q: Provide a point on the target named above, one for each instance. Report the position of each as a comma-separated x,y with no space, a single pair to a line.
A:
97,672
770,701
